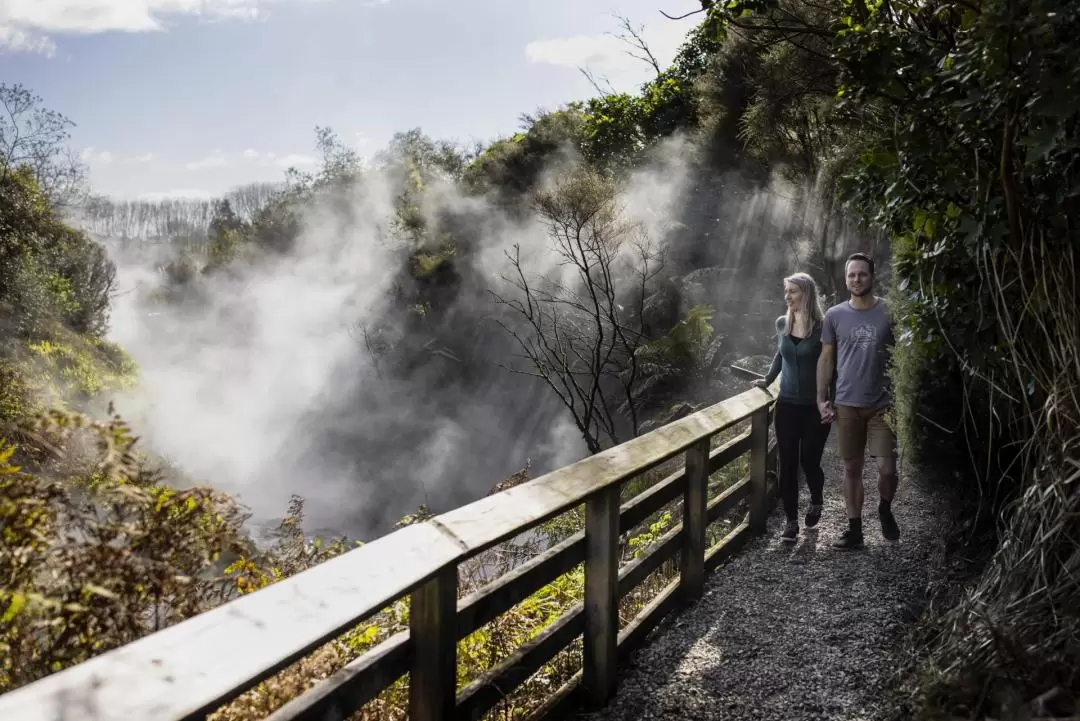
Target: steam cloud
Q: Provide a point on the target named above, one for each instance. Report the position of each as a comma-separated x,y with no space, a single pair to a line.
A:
267,389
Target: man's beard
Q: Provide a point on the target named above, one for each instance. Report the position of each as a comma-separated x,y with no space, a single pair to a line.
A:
860,293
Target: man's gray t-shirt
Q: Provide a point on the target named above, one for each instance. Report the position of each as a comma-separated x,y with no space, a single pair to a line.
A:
862,339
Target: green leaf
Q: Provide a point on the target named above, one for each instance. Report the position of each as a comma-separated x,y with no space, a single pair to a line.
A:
18,602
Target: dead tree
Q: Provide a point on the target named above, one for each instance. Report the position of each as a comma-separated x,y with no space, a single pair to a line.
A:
579,324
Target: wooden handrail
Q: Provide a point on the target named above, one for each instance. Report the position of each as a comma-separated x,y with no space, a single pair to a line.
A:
192,668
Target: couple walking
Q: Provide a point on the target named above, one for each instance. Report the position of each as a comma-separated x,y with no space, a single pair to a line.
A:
832,369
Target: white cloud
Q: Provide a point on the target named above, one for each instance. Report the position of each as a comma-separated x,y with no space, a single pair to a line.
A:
289,160
608,57
575,51
28,25
23,41
93,156
217,160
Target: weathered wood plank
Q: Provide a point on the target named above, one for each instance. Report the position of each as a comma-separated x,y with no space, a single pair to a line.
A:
639,569
485,692
192,668
726,546
651,500
746,372
695,497
490,520
562,702
727,500
187,670
759,467
633,573
631,637
433,629
347,690
601,596
501,595
648,502
728,452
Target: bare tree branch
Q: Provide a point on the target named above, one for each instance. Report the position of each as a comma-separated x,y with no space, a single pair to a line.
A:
633,38
572,324
36,138
596,83
684,15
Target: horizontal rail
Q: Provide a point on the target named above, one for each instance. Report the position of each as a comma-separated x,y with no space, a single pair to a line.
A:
486,691
637,631
480,525
746,372
353,686
192,668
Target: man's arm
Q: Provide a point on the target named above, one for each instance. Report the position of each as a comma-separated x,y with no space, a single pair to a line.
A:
826,364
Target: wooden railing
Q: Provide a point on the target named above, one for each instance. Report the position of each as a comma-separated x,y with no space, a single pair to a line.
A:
188,670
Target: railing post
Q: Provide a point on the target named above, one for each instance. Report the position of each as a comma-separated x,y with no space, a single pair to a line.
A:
759,466
695,498
598,675
433,631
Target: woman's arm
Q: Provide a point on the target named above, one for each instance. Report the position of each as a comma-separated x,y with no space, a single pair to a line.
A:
778,360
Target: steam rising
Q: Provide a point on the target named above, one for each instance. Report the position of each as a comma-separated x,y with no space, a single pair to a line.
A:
268,390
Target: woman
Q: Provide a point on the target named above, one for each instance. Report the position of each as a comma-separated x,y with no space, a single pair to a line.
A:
800,432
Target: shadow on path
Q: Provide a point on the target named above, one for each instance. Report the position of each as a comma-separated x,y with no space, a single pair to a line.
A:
793,632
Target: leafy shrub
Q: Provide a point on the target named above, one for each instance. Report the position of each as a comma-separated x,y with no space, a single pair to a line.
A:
125,554
49,273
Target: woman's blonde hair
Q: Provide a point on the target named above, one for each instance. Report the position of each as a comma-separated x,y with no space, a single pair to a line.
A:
811,303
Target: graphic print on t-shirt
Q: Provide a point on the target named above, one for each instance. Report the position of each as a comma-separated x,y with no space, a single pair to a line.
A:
864,334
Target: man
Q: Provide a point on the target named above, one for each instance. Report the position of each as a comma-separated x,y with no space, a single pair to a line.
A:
856,337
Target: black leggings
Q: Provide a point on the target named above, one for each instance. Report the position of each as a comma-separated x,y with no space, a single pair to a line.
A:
800,439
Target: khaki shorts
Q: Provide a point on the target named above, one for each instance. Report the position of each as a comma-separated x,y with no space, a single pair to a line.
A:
858,427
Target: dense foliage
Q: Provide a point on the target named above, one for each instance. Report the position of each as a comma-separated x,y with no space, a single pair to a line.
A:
949,129
966,154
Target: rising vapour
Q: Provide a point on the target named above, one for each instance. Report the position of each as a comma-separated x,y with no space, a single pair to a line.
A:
268,389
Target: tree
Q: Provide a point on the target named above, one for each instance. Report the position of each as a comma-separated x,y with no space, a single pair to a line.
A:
512,166
579,326
36,137
49,272
964,120
415,151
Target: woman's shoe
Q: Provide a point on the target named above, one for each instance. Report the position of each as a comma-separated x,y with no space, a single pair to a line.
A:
813,515
791,532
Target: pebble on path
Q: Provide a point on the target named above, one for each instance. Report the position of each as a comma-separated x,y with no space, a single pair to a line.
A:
793,633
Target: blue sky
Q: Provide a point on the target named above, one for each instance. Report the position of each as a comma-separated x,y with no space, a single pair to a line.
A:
175,97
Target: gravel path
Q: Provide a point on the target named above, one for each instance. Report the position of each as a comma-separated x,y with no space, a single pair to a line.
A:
797,633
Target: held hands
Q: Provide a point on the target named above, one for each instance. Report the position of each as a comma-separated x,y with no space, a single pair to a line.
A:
828,413
760,383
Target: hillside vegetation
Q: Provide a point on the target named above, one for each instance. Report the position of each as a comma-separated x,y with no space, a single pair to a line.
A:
946,132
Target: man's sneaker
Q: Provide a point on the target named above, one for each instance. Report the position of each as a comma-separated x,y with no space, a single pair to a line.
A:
813,515
889,529
849,541
791,532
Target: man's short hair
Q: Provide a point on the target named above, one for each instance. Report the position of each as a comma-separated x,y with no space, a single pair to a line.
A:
860,256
